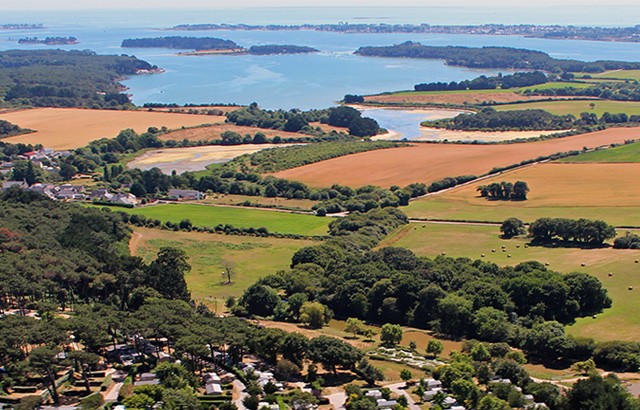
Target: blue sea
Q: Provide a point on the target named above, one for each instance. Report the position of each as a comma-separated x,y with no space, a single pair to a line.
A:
305,81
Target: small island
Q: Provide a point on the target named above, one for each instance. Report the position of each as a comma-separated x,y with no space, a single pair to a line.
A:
214,46
49,41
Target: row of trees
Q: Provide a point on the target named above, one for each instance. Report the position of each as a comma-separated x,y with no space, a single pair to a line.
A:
483,82
618,90
505,190
578,231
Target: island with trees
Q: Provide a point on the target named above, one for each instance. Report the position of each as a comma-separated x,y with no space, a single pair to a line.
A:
494,57
211,45
49,41
560,32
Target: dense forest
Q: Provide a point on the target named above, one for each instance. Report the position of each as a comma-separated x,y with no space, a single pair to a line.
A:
8,129
187,43
281,49
65,78
488,83
525,305
488,119
494,57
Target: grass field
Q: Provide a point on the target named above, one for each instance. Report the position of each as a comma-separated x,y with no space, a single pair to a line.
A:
69,128
431,162
577,107
623,153
251,257
621,322
230,199
193,158
619,74
597,191
204,215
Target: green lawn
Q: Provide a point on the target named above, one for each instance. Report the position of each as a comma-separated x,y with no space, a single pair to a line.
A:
208,215
576,107
621,322
250,257
445,209
622,153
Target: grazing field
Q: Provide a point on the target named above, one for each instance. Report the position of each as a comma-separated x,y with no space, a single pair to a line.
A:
621,322
210,215
250,257
619,74
597,191
214,132
431,162
467,97
623,153
284,203
576,107
69,128
194,158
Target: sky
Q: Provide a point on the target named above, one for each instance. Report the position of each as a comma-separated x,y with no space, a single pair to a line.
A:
217,4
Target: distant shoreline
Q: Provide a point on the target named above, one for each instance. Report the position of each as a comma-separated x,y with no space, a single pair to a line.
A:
551,32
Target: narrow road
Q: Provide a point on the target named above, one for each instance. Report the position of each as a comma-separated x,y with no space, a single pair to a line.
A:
399,389
239,387
337,399
112,394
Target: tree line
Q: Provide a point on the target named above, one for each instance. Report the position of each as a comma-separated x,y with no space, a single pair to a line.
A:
618,91
571,231
190,43
483,82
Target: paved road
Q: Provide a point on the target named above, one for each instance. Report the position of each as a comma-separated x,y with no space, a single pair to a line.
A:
399,389
112,395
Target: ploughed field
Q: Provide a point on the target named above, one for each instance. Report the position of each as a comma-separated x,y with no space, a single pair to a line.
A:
250,258
610,192
69,128
210,216
431,162
620,322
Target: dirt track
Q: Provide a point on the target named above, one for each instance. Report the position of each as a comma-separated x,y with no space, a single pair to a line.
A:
431,162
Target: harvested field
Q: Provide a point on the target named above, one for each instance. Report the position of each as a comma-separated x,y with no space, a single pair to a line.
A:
431,162
620,322
453,97
596,191
69,128
251,258
194,158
